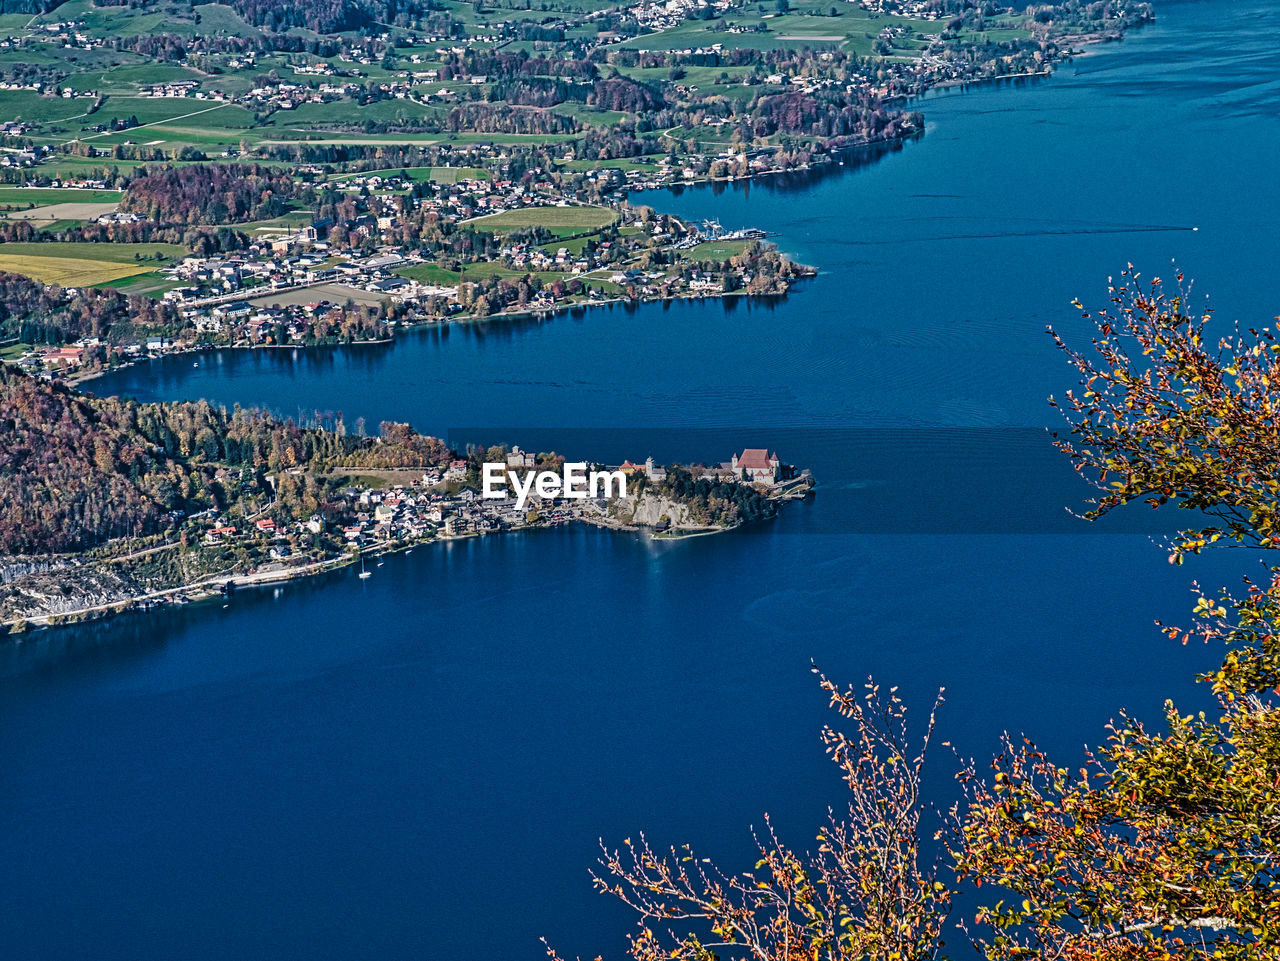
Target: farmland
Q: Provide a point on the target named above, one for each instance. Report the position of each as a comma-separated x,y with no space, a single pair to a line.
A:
374,151
68,271
61,213
20,198
107,253
440,175
565,220
85,265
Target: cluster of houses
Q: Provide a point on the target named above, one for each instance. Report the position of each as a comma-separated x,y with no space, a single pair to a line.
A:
172,88
268,268
467,198
916,9
65,33
21,158
370,518
441,505
49,361
665,14
287,96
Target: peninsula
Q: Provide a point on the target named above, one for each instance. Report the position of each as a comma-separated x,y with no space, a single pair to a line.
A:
179,176
110,505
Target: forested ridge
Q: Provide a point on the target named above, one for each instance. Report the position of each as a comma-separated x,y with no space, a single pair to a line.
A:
77,470
209,193
327,16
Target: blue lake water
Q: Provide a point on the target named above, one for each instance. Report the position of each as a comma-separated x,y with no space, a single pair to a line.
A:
419,765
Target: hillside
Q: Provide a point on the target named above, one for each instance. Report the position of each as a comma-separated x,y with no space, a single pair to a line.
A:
77,471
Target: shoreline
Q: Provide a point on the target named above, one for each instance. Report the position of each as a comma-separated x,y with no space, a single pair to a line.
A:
210,586
89,377
821,162
214,586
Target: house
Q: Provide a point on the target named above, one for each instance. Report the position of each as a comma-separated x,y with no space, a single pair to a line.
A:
266,525
520,458
62,356
757,465
235,310
656,474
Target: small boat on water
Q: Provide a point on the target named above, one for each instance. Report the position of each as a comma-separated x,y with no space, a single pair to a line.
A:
363,572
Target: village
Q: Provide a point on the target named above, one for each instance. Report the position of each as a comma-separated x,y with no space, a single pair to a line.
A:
446,502
302,286
523,145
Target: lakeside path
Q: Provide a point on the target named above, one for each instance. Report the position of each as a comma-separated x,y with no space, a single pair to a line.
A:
275,572
203,588
212,585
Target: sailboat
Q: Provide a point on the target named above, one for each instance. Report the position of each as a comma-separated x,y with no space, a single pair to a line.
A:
363,572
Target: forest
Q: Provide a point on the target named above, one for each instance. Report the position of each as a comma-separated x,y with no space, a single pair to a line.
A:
209,193
326,16
77,471
36,313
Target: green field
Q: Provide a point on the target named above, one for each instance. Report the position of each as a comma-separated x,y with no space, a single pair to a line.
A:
344,113
579,219
14,351
144,284
620,163
19,198
36,108
103,252
109,21
441,175
85,166
289,221
718,249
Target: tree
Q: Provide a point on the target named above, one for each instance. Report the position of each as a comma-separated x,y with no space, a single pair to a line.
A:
867,892
1163,845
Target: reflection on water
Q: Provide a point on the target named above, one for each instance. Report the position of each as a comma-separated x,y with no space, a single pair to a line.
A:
848,161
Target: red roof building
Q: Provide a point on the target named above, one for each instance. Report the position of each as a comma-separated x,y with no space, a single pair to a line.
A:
758,465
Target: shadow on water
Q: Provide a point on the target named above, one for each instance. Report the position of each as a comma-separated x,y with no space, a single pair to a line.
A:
92,650
102,649
847,161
